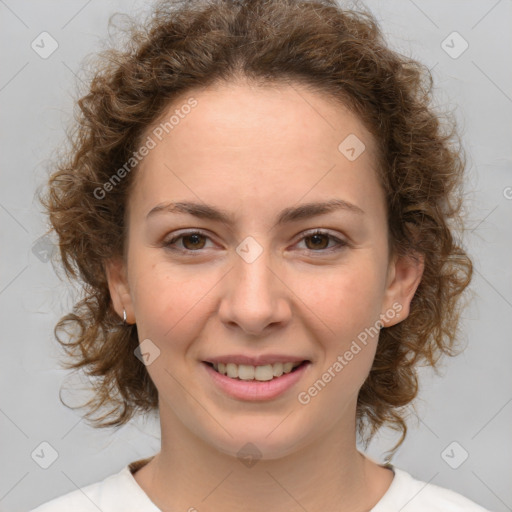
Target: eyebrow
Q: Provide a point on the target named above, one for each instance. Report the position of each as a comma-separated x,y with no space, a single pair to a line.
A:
288,215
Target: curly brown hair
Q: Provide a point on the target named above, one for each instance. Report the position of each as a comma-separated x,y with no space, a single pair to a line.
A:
340,53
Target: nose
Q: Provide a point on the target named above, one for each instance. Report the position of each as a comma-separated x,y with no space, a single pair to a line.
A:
255,297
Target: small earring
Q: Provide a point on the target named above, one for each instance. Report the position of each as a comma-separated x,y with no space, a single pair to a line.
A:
124,316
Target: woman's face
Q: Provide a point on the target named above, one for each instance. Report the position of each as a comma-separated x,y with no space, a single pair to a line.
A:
259,283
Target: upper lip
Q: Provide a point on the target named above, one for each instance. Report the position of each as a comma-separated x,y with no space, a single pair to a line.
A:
260,360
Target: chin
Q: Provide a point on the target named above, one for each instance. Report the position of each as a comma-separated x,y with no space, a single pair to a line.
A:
265,440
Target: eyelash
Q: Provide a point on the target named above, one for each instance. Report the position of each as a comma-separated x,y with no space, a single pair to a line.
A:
340,243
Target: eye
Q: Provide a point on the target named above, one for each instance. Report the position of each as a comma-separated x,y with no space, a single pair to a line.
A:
191,241
319,241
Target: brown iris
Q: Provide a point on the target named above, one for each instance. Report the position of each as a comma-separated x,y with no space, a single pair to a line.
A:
194,237
317,236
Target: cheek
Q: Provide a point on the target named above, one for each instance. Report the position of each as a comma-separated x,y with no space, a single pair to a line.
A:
171,309
169,302
346,300
346,307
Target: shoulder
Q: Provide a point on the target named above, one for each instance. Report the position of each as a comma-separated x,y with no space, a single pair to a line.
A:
88,498
410,495
116,493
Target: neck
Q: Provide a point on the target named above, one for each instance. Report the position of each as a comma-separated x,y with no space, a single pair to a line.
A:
326,474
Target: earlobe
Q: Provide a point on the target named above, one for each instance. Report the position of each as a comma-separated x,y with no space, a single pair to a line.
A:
115,271
405,276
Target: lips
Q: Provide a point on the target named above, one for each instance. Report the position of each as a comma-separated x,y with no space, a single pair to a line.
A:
255,390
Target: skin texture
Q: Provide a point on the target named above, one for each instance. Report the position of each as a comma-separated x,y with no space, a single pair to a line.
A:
254,151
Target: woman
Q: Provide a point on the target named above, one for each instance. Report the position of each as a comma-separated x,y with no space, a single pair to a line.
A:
261,192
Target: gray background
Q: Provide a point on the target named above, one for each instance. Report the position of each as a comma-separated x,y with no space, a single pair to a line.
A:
469,404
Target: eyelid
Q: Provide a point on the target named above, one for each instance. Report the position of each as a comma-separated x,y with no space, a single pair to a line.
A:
177,236
340,242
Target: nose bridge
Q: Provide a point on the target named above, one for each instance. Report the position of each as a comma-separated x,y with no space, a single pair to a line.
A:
254,278
254,297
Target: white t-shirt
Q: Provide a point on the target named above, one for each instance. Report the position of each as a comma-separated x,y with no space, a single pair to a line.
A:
120,492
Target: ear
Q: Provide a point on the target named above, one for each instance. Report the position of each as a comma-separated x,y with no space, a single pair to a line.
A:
115,270
404,276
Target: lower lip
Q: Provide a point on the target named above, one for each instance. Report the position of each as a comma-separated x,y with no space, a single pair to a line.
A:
253,389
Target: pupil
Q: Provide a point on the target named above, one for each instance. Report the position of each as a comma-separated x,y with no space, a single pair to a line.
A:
195,238
317,237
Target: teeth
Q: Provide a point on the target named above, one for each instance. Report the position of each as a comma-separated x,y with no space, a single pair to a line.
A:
248,372
277,369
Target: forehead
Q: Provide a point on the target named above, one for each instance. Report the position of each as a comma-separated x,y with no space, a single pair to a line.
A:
242,138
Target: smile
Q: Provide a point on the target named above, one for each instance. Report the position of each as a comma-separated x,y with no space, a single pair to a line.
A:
249,372
255,383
